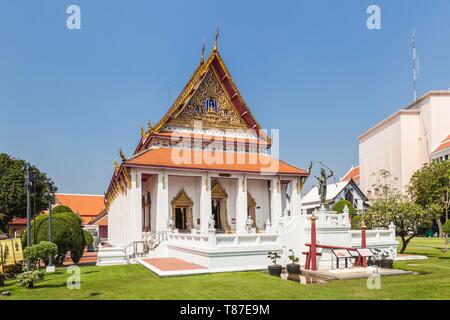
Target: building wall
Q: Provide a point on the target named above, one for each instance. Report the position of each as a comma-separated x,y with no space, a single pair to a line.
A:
230,187
402,143
380,150
259,190
191,185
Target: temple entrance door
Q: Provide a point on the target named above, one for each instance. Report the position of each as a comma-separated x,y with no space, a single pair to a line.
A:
219,207
215,206
181,218
251,209
182,212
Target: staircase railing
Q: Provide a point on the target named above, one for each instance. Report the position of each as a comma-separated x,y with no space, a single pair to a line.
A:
135,249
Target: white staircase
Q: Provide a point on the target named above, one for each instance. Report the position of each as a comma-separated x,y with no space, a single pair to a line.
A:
111,256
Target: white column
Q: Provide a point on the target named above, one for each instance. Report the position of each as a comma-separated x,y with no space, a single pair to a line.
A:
275,201
135,207
205,202
162,202
241,204
295,198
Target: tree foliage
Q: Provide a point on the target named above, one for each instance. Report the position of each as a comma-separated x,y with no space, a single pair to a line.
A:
59,209
40,252
407,216
67,234
430,188
13,192
340,205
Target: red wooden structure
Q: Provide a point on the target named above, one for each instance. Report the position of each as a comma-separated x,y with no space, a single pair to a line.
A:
311,255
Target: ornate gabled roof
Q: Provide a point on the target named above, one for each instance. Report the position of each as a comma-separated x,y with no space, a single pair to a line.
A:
353,173
445,144
215,64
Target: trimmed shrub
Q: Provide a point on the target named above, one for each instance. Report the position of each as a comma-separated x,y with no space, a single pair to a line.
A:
59,209
340,205
29,278
40,252
88,238
67,234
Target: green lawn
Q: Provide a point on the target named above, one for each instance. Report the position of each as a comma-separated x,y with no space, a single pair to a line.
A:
136,282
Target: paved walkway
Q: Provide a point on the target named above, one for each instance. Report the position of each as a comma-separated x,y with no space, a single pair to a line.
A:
88,258
172,264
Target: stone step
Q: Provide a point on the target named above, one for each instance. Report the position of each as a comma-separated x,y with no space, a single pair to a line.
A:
112,256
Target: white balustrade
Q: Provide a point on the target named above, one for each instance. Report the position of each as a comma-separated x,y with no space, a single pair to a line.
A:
223,240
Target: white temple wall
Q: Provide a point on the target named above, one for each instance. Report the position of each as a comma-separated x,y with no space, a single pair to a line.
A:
117,220
191,185
230,187
259,190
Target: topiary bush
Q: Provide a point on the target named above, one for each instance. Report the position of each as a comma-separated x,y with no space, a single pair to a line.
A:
88,238
340,205
67,234
59,209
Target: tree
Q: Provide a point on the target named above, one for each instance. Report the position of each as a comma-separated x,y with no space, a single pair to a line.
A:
430,188
407,216
340,205
384,185
13,192
446,230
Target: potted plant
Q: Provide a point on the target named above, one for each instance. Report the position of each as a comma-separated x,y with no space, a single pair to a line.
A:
275,269
382,259
293,268
2,279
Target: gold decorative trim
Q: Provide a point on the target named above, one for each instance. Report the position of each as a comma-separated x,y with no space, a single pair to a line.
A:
182,200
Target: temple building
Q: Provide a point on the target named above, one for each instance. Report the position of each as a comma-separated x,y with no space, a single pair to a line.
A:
207,157
204,191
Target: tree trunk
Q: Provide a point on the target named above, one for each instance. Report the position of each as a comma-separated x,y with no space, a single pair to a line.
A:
405,243
439,224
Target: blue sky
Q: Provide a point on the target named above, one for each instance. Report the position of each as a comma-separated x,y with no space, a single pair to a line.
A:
69,99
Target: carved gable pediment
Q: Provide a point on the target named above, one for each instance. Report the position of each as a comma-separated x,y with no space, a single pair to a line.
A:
217,191
182,200
210,105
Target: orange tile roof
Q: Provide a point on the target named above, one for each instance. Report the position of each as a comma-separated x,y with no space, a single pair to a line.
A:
18,221
102,221
224,161
444,144
353,173
87,206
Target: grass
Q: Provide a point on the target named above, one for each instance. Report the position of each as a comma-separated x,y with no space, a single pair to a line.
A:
136,282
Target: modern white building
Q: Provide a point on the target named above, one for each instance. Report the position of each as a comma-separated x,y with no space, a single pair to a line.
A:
347,190
202,187
403,142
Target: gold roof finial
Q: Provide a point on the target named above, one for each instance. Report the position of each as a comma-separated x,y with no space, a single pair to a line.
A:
149,125
142,132
203,52
217,37
122,155
116,166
